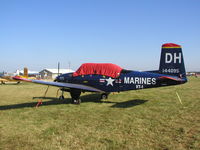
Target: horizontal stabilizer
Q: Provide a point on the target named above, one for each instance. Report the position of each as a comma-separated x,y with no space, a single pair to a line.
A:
173,78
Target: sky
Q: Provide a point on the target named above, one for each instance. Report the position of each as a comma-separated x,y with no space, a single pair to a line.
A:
40,33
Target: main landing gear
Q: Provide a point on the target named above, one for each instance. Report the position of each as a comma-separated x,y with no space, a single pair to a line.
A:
75,95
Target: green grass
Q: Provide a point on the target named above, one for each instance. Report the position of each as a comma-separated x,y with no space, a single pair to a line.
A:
145,119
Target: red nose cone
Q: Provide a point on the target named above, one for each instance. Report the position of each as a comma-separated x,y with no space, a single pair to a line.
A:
171,45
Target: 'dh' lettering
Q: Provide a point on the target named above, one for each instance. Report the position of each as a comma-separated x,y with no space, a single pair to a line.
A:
175,58
168,58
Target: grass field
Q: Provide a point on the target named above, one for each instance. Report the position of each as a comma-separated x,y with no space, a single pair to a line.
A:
145,119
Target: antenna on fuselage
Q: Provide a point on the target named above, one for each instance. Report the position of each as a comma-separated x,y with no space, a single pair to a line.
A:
69,63
58,68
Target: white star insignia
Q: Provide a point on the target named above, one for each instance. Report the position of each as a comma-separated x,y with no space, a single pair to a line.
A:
110,81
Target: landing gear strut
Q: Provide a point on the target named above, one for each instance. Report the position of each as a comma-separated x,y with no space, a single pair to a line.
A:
75,95
62,96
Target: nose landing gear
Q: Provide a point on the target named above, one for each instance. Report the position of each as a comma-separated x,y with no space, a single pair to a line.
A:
61,97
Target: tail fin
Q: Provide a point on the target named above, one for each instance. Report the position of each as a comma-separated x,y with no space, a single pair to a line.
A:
171,61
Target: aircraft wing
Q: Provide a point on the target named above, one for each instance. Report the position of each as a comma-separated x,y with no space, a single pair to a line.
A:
61,84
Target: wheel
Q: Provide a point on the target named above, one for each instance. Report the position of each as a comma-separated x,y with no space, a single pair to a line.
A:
104,96
61,97
74,101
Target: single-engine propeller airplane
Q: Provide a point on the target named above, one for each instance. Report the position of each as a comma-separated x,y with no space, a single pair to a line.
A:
105,78
10,79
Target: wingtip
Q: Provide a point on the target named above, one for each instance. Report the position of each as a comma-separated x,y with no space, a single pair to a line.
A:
22,79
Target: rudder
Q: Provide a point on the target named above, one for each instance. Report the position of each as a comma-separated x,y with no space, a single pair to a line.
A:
171,61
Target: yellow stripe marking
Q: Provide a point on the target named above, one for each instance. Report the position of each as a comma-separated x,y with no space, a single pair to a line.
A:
171,47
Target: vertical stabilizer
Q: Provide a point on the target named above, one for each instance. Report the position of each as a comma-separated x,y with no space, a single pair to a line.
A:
171,61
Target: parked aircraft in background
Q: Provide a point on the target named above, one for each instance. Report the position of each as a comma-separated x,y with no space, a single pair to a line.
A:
9,78
106,78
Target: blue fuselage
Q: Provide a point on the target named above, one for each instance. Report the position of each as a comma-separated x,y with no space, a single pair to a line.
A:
128,80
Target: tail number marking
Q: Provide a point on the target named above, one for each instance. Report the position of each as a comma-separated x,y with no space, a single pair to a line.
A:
169,57
170,71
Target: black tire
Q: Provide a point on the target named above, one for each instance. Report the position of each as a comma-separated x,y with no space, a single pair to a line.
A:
74,101
104,96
